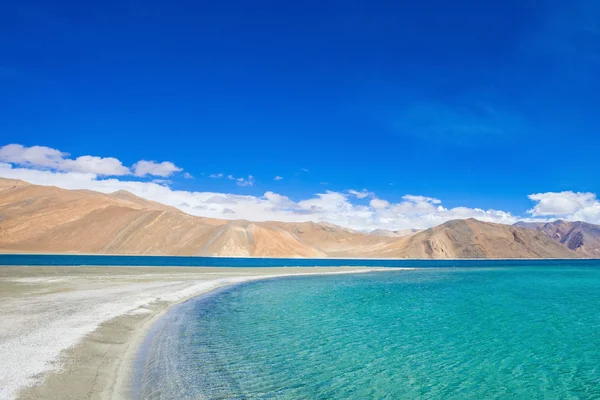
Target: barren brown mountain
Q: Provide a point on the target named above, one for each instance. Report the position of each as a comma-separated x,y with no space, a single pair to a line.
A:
581,237
48,219
471,238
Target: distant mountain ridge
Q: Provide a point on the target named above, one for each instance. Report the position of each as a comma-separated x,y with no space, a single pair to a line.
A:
48,219
471,238
398,233
580,237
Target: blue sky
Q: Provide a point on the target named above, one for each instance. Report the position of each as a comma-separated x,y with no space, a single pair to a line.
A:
478,104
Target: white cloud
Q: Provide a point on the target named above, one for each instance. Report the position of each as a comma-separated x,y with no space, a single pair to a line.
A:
328,201
362,194
46,157
215,176
95,165
45,166
245,182
238,181
573,206
187,175
164,169
378,203
418,199
330,206
278,200
42,157
560,203
35,156
417,205
278,178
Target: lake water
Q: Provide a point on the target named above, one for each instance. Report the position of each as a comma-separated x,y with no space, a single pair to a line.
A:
455,333
241,262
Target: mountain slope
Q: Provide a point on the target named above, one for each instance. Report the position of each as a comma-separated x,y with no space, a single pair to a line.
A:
332,240
243,238
476,239
48,219
529,225
127,198
581,237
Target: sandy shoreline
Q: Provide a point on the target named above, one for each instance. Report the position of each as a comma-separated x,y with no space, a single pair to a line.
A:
73,332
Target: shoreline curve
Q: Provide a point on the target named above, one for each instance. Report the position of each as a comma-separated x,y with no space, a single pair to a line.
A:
99,318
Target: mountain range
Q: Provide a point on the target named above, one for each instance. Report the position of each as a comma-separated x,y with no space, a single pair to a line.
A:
51,220
581,237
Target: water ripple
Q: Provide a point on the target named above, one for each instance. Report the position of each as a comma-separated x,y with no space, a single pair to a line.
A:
530,333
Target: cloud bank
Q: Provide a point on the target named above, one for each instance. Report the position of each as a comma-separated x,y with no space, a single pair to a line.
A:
567,205
42,157
361,210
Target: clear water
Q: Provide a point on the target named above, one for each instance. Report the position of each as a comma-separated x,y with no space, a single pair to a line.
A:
476,333
241,262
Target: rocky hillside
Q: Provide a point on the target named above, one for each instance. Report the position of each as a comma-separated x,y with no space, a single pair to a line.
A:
476,239
47,219
581,237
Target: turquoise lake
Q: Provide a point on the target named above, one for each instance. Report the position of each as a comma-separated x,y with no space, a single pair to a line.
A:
453,333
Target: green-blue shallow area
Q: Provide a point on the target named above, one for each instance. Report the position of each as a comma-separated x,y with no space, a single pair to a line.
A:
458,333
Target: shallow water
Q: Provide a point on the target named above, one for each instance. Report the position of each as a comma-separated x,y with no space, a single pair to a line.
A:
435,333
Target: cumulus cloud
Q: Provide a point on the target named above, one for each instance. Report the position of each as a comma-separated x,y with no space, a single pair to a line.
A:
35,156
241,181
573,206
95,165
279,201
362,194
421,199
46,157
187,175
164,169
278,178
245,182
324,202
378,203
216,176
42,157
417,205
560,203
45,166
